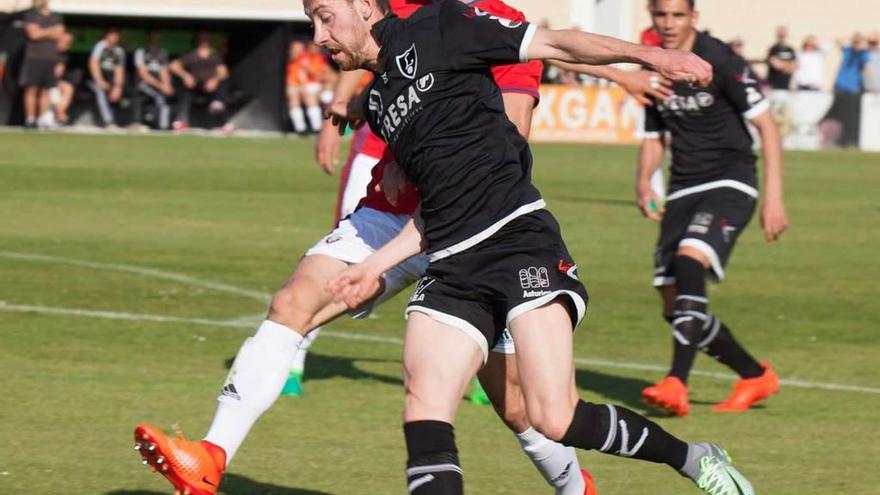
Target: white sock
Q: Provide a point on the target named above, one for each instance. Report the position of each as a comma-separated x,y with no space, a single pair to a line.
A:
316,117
298,117
254,383
557,463
299,361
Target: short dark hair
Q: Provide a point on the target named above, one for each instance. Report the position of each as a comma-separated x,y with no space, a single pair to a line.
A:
692,3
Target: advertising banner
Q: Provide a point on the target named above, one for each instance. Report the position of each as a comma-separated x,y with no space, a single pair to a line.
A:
586,115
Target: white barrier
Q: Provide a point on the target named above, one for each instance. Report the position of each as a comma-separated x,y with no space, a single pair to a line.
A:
869,138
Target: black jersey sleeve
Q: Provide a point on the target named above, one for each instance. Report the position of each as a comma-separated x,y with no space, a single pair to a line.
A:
741,86
653,126
473,38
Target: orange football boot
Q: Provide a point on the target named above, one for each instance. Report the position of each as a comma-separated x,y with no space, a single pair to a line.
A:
669,394
194,468
589,484
749,391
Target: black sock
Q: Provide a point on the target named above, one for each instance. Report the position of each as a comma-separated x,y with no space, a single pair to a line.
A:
619,431
432,467
719,343
690,314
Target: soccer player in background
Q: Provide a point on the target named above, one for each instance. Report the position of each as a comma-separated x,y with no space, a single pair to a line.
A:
263,362
43,29
107,68
712,196
154,80
484,228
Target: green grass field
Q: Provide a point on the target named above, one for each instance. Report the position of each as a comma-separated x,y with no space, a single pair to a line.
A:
131,268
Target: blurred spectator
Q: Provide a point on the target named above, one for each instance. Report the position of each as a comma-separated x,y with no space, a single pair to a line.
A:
841,124
810,75
781,61
43,28
850,76
154,80
305,69
737,46
107,68
61,95
203,74
872,70
326,75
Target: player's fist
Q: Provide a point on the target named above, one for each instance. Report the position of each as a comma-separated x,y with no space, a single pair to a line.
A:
774,220
355,285
682,66
649,203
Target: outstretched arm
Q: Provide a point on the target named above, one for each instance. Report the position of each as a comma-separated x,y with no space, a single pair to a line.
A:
640,84
773,216
594,49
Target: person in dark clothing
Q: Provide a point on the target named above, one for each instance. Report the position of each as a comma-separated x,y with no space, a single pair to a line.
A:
43,28
204,73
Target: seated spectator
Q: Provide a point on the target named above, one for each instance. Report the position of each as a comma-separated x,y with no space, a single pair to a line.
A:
61,95
204,74
809,75
781,61
154,80
326,74
297,79
107,70
43,28
872,70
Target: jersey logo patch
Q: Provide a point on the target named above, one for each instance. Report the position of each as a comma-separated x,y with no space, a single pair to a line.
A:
408,62
425,83
374,102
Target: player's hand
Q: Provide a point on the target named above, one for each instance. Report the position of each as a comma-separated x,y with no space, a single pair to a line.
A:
393,182
211,85
682,66
189,81
104,85
327,149
167,89
650,204
115,94
355,285
774,220
344,113
644,85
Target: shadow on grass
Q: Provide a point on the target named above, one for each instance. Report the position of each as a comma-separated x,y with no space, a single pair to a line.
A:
323,367
620,390
234,484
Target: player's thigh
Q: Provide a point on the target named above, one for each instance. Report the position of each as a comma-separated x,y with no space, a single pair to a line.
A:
543,338
500,380
439,361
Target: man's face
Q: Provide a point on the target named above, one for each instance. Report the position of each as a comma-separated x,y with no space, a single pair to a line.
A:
41,4
858,41
340,30
873,41
674,21
781,33
112,38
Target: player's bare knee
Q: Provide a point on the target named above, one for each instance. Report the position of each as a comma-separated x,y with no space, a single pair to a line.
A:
514,415
290,307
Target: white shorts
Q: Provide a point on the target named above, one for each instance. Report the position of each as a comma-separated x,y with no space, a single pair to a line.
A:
359,236
313,87
364,232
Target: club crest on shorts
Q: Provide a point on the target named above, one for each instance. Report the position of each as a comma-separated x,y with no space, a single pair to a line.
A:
419,293
408,62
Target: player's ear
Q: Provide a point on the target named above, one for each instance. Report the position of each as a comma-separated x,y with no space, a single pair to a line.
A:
364,8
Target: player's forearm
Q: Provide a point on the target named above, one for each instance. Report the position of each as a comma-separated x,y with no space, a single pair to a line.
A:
347,85
650,158
587,48
407,244
772,153
118,77
599,71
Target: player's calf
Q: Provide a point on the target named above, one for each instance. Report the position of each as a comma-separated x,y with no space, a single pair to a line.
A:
432,467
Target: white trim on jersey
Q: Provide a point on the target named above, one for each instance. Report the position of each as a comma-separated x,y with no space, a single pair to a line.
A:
525,307
526,43
709,251
487,233
455,322
757,110
718,184
651,135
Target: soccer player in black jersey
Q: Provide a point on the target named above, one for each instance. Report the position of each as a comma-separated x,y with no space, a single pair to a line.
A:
712,196
497,257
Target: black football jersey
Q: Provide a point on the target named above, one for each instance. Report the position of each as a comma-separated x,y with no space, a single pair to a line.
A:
435,103
711,142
